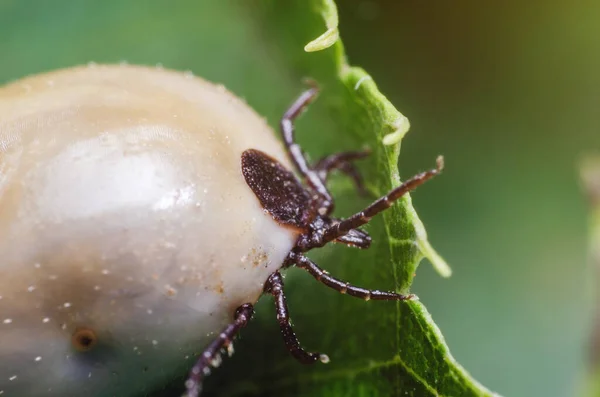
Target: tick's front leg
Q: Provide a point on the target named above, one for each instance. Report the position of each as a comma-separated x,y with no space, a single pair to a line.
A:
296,153
316,176
193,385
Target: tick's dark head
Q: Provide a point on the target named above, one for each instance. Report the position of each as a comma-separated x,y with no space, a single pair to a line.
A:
291,204
278,190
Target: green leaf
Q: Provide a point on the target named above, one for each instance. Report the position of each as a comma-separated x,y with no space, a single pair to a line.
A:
258,49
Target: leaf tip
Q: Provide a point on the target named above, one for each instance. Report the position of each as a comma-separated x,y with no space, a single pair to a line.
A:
328,11
324,41
400,127
439,264
440,163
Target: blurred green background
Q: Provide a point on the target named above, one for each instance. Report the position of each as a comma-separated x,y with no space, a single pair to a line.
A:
507,91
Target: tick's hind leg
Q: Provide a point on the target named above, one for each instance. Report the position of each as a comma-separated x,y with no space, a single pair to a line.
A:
211,355
274,286
343,287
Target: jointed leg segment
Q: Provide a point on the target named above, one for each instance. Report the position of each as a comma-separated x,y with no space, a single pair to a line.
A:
343,161
321,275
295,151
381,204
193,385
316,176
274,286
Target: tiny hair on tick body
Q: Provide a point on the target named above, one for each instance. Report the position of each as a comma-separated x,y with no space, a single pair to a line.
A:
122,189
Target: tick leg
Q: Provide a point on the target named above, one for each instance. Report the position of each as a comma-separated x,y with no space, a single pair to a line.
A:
193,385
274,286
343,162
343,287
297,155
355,238
363,217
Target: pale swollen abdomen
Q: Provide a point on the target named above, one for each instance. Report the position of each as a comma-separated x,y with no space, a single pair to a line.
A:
128,236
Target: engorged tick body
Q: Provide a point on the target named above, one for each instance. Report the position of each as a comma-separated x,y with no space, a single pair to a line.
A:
142,214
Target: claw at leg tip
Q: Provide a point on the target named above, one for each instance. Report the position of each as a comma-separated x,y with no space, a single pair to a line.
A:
439,161
311,83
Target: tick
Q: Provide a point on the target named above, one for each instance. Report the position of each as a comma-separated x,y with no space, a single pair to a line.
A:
143,212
